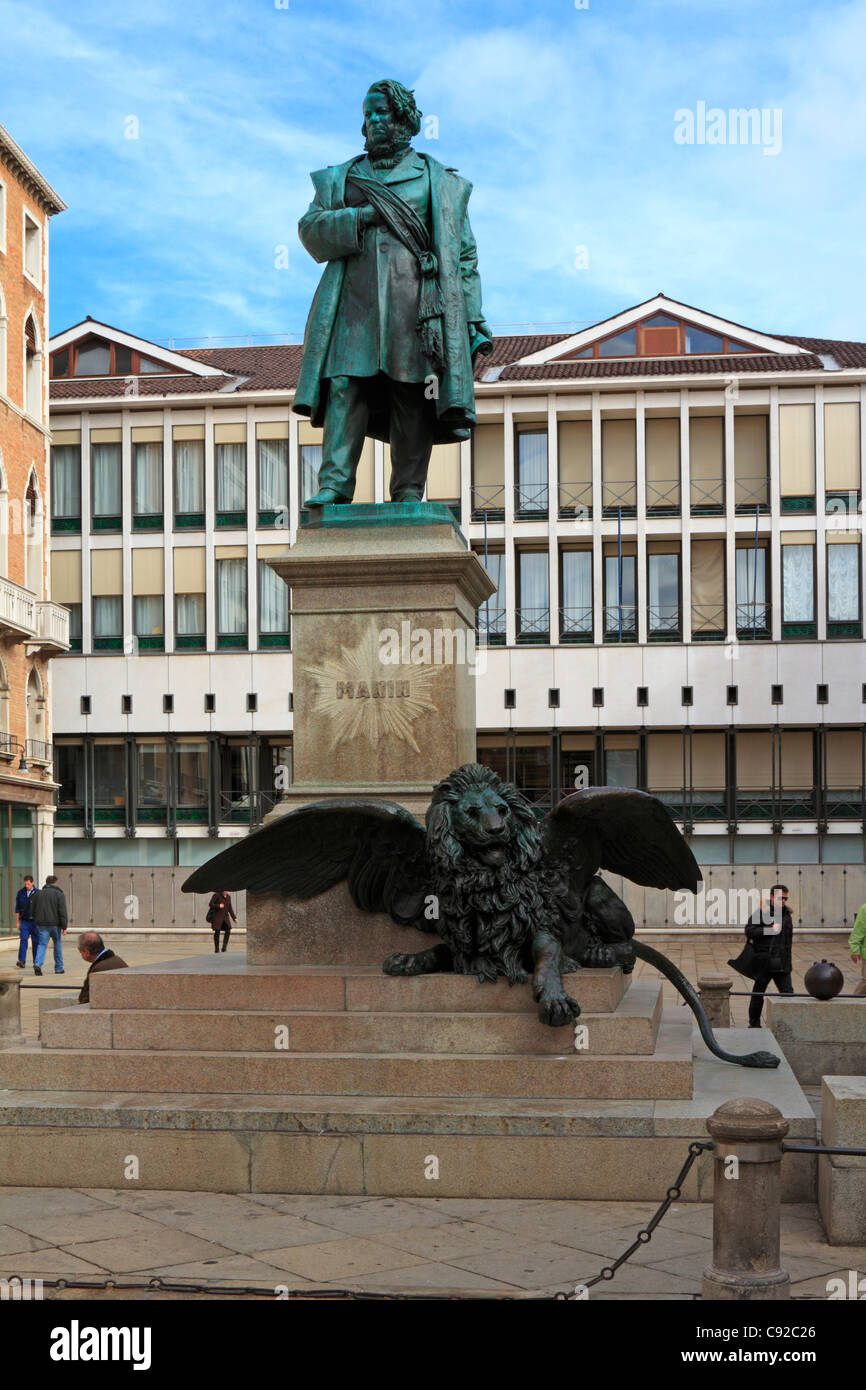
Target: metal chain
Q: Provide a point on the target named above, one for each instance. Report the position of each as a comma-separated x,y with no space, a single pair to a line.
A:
645,1235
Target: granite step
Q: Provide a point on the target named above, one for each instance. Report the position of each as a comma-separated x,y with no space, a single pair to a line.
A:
631,1028
667,1072
222,982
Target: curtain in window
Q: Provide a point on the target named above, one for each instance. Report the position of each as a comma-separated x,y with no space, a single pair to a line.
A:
189,476
614,618
664,596
577,586
147,479
231,596
798,586
231,477
311,462
273,456
108,616
843,584
105,465
491,614
273,600
147,614
189,614
532,471
751,585
534,594
66,480
74,619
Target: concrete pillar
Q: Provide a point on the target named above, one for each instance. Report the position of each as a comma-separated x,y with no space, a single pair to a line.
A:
715,995
747,1191
10,1009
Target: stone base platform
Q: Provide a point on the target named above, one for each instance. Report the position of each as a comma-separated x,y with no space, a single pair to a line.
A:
210,1074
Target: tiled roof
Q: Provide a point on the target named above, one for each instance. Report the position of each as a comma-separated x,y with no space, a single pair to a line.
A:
95,388
266,368
510,348
846,354
661,366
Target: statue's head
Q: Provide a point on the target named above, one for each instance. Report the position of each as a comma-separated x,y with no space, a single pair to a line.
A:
391,118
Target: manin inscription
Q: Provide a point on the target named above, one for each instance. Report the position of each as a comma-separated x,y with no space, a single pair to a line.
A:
358,703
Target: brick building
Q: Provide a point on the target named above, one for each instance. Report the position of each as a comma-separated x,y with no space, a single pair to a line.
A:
32,628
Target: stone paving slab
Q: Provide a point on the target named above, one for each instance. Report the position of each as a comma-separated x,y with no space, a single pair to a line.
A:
470,1248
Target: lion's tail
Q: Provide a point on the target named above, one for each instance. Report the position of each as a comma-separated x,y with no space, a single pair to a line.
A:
683,987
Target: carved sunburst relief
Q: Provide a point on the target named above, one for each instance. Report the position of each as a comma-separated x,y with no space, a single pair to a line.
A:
364,697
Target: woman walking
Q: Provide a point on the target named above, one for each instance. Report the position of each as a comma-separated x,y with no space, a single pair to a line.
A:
219,911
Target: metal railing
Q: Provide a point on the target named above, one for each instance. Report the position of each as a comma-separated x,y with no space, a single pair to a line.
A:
708,621
620,620
248,808
663,619
751,494
663,496
618,497
488,499
491,626
530,499
575,624
575,500
707,496
37,751
533,624
753,619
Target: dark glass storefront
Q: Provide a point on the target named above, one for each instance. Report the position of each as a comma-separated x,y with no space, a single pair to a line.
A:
17,857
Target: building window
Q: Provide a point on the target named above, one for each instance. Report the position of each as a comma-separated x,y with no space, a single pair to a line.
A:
491,614
311,462
66,487
843,591
107,622
109,782
620,345
189,620
105,466
664,596
69,772
272,463
619,598
533,597
231,480
74,626
575,615
189,480
273,607
192,776
698,340
753,610
32,249
92,358
798,591
620,767
147,484
531,499
152,776
231,582
148,618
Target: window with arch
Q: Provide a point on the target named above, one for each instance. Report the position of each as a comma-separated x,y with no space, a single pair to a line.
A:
3,389
4,519
37,723
32,369
33,549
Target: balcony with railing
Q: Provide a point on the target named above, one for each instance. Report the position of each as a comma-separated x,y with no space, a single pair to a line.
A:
708,622
663,623
618,499
246,808
663,497
533,626
707,496
530,501
752,495
575,501
488,500
575,625
17,609
753,621
620,622
491,626
38,752
52,625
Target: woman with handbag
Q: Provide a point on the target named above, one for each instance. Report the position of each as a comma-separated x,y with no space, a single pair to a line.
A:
219,911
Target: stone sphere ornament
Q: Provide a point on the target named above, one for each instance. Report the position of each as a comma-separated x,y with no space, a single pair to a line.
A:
824,980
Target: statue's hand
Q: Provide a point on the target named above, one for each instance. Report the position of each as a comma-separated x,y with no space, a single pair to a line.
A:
480,338
370,217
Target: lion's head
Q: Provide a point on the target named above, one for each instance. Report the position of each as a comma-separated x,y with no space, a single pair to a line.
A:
474,815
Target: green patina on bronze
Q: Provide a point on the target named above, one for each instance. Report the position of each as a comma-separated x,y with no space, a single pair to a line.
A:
372,514
396,320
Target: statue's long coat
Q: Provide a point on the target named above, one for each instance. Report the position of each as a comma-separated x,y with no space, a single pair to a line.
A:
331,238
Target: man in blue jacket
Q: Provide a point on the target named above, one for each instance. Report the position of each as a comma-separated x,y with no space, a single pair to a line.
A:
24,921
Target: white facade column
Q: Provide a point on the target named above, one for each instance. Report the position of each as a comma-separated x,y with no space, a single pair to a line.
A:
552,519
466,482
641,585
510,556
821,520
685,518
209,523
126,534
597,510
730,522
167,531
860,511
294,478
775,519
252,522
378,470
43,842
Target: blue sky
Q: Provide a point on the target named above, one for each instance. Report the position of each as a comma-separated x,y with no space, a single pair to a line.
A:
562,117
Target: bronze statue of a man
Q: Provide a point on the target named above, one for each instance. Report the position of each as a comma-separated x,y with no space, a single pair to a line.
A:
397,318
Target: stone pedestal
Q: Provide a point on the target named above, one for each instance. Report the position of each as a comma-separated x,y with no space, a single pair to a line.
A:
842,1177
384,604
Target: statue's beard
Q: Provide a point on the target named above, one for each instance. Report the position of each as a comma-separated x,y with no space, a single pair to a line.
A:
388,146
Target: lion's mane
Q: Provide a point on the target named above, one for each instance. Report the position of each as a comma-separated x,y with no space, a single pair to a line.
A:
488,916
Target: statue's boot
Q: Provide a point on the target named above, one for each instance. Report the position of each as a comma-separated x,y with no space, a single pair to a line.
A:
408,496
326,497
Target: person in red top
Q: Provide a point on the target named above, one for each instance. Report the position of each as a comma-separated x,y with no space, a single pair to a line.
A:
219,911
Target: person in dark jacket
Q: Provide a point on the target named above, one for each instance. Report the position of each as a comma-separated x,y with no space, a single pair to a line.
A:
220,906
52,919
24,918
771,935
99,957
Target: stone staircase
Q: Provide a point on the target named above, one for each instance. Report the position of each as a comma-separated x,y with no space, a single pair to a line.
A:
213,1074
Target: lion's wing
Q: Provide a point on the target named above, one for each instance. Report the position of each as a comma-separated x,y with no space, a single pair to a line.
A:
627,832
377,847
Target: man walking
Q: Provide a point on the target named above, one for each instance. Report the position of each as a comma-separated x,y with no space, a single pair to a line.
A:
51,919
771,936
24,921
857,947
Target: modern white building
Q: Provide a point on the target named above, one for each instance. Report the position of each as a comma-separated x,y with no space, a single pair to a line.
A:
669,503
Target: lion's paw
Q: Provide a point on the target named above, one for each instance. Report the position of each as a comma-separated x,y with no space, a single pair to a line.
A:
399,964
558,1010
599,956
